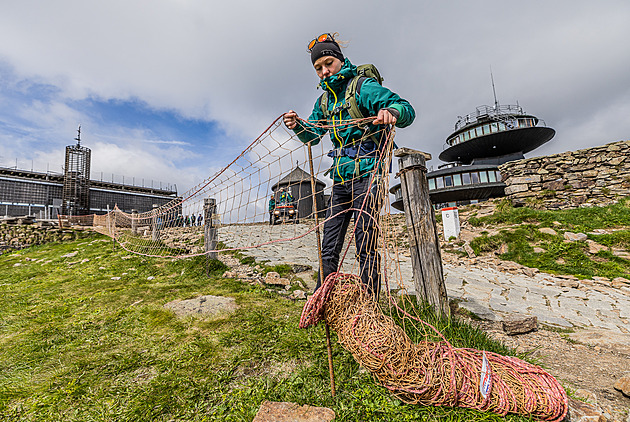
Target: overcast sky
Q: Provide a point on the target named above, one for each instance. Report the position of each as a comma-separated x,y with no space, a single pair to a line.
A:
171,90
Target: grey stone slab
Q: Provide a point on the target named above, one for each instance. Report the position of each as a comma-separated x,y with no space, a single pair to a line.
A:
479,309
477,292
598,323
575,293
516,294
597,304
575,318
552,319
624,309
535,299
540,290
499,303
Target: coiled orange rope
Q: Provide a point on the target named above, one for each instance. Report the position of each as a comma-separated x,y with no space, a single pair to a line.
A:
431,373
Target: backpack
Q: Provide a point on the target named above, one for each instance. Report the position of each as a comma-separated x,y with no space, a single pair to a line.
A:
364,71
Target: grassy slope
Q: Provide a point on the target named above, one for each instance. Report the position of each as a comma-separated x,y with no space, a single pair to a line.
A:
76,345
559,256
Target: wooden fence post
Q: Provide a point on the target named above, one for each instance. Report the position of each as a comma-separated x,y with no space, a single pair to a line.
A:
424,245
209,230
134,222
155,230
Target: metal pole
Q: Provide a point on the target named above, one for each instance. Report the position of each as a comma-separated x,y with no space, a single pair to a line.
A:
321,266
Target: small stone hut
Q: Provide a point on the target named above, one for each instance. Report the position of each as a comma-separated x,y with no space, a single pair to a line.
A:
298,183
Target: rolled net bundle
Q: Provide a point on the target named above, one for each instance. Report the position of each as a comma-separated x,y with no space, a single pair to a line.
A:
432,373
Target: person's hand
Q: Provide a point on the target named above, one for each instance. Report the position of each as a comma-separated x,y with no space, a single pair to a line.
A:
290,119
384,117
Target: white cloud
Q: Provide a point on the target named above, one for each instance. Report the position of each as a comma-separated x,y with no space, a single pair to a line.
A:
242,64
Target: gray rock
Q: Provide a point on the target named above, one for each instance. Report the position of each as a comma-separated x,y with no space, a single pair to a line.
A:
479,310
291,412
202,305
575,237
299,294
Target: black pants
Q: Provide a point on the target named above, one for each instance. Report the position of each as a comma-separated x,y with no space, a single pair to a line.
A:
352,194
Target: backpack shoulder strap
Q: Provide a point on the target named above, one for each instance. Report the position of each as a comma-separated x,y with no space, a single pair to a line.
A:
323,105
351,98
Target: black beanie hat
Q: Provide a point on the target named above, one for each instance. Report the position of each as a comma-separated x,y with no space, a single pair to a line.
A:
326,48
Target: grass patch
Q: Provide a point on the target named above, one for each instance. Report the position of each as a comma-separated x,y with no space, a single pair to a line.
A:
559,256
78,344
580,219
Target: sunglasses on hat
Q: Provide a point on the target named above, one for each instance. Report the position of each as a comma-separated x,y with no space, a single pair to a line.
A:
321,38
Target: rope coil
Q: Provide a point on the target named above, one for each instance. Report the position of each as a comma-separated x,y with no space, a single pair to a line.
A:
430,373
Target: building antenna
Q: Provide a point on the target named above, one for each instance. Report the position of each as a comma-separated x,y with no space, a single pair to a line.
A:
78,138
496,103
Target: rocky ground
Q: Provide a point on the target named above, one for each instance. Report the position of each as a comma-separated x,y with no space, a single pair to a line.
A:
588,368
588,363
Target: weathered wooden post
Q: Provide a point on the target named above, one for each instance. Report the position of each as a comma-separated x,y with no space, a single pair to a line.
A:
426,258
134,222
155,230
209,230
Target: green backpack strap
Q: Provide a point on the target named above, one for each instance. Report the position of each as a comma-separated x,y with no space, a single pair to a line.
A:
351,98
364,71
323,105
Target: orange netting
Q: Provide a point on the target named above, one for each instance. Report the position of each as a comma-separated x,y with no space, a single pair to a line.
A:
234,204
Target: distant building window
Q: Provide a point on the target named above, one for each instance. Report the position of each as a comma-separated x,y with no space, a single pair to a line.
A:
483,177
448,181
466,178
492,176
457,179
494,127
474,177
431,184
439,182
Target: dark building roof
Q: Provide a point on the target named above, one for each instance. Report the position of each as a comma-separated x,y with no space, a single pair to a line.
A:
296,176
96,184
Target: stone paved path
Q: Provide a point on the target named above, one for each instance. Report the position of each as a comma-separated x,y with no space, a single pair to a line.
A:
489,293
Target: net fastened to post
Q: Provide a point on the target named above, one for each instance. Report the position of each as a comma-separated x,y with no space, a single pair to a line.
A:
263,207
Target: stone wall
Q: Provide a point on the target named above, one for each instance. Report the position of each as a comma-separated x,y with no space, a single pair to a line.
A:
19,236
595,176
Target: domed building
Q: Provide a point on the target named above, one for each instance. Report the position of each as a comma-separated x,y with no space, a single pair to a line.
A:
480,143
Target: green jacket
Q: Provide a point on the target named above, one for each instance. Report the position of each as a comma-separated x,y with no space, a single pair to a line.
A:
371,98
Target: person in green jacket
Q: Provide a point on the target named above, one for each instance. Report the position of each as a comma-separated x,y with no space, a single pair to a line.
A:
272,206
357,154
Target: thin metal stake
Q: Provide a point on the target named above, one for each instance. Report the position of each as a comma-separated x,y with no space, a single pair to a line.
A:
321,266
